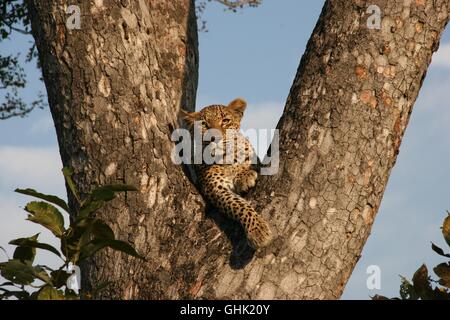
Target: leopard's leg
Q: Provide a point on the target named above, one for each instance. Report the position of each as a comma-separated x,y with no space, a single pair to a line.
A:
245,180
217,187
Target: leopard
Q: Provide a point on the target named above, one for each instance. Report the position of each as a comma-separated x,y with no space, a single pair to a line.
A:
224,184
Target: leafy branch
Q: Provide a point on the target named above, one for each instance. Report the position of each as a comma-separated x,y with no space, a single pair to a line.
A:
423,286
231,5
85,236
14,18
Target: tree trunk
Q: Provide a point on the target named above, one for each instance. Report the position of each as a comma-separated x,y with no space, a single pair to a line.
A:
340,135
115,88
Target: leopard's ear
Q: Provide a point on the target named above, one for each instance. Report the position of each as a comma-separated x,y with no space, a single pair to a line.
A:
238,105
189,117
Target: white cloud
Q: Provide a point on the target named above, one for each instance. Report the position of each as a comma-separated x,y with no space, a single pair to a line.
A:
264,115
35,167
259,116
442,57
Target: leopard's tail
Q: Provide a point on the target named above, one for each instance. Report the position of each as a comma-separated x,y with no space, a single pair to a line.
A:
257,229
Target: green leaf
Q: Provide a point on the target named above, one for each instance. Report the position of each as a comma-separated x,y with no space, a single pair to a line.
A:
59,278
107,192
17,271
50,293
24,254
88,208
32,243
439,250
124,247
41,274
23,273
77,236
70,295
50,198
20,295
68,172
46,215
91,248
422,284
407,291
446,229
87,236
102,193
9,283
70,250
99,196
101,230
443,272
98,244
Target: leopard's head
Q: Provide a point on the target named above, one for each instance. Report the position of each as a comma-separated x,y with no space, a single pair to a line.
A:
218,117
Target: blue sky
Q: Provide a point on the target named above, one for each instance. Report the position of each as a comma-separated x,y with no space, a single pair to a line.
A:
254,54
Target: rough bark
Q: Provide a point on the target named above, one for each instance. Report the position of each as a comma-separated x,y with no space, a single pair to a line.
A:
340,135
115,88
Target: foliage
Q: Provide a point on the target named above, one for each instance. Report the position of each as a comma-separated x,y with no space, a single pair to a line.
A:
231,5
85,236
423,286
14,19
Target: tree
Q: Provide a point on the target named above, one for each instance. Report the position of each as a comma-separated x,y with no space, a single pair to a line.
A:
115,89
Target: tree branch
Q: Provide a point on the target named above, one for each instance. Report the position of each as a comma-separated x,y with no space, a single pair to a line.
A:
239,3
11,27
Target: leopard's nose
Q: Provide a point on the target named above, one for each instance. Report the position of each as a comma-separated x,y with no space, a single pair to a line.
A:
216,125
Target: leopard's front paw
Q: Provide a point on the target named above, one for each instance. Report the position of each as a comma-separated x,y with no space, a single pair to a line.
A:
245,181
259,234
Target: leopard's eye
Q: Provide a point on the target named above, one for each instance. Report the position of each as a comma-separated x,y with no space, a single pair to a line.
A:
226,121
200,123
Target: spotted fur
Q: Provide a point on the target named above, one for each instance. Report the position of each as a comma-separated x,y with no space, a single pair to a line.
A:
223,184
